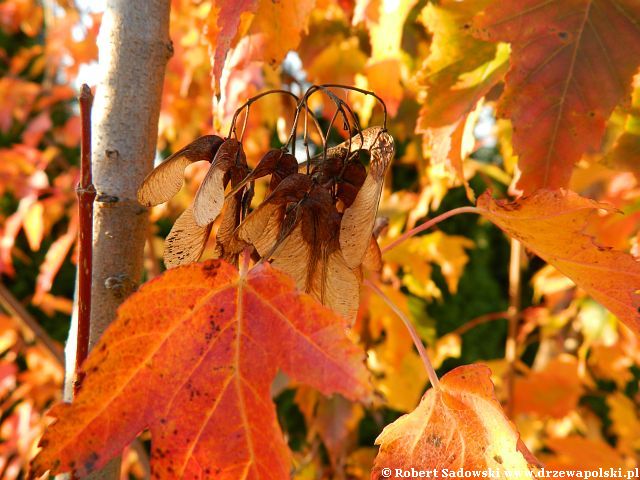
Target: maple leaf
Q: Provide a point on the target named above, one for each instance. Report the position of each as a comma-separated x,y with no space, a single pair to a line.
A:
191,356
339,62
335,420
625,151
223,25
277,28
567,74
458,424
551,223
625,423
455,80
54,258
447,251
612,362
385,22
552,392
578,453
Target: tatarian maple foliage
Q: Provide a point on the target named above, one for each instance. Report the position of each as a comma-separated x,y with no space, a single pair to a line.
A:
458,424
567,74
191,357
552,223
506,96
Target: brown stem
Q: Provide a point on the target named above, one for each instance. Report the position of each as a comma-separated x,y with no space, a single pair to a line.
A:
431,372
30,325
86,194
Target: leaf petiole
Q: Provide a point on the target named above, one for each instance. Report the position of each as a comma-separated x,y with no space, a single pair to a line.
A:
429,224
431,372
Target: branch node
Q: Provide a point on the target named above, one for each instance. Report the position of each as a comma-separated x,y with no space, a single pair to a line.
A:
104,198
120,285
112,154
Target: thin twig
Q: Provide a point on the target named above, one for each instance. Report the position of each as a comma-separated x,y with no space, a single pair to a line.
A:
30,325
364,92
249,102
86,195
433,377
481,320
515,288
429,224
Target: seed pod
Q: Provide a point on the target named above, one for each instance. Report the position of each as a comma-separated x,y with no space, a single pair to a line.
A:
209,198
358,220
186,241
164,181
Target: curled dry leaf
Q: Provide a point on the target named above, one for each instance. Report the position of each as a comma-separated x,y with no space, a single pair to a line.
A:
551,223
165,181
191,356
460,424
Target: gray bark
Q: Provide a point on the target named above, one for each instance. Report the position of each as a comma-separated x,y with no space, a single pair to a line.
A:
134,47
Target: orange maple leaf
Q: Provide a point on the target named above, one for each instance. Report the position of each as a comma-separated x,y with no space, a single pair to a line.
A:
567,74
553,392
551,223
459,424
223,27
191,356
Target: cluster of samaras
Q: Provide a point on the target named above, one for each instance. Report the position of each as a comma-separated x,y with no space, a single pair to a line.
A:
315,223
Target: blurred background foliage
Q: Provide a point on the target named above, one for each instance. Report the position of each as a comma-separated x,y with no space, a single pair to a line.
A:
572,387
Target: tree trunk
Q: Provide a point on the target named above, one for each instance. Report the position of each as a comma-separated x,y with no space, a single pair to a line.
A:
134,47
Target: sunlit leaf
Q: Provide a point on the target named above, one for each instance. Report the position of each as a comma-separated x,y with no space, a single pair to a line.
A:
551,223
200,379
567,74
459,424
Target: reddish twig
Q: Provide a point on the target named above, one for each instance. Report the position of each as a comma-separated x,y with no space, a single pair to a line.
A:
429,224
86,195
481,320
